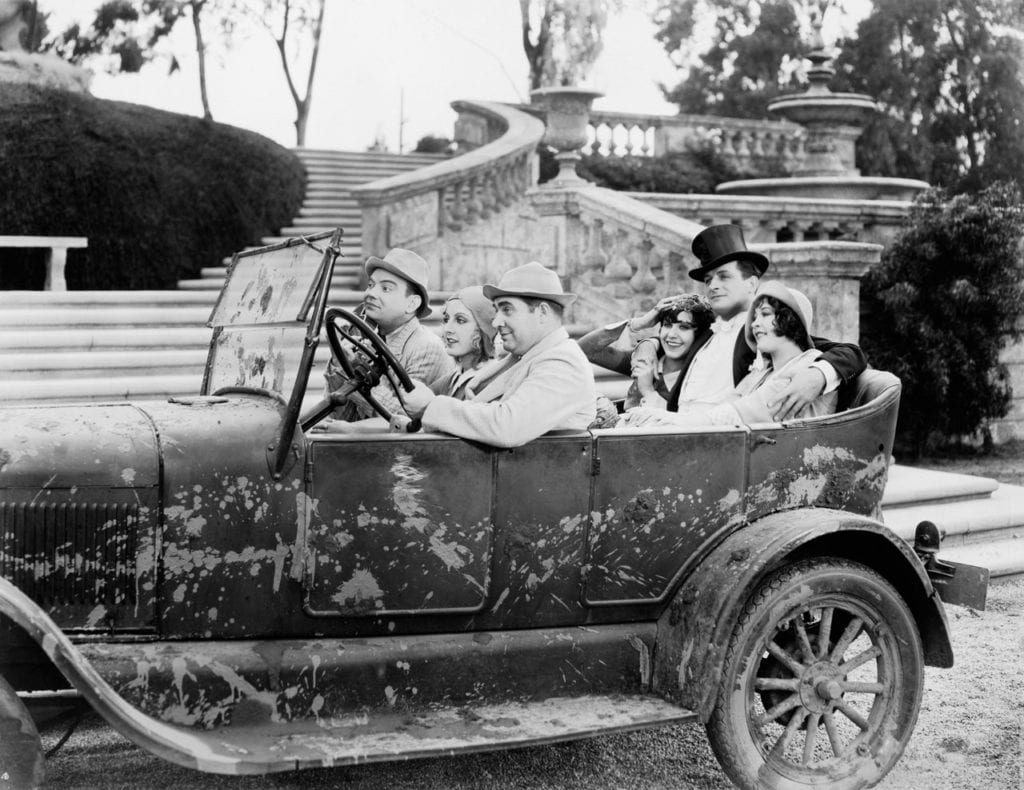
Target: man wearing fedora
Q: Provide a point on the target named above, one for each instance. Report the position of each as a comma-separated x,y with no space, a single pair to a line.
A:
396,298
731,274
544,384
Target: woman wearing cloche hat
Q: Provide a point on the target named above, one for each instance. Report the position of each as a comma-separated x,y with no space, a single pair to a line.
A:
778,328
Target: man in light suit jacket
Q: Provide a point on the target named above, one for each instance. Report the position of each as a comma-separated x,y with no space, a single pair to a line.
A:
544,384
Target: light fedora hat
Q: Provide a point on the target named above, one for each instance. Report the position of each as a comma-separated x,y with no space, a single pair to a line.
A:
531,280
793,299
410,267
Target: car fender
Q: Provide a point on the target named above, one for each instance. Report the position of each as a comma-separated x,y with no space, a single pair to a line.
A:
170,743
694,630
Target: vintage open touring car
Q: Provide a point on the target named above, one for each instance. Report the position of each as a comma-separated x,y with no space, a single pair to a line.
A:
238,593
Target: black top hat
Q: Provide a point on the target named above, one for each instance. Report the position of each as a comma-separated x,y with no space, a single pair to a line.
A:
720,244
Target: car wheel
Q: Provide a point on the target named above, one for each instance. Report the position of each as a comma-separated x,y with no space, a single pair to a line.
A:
822,681
22,762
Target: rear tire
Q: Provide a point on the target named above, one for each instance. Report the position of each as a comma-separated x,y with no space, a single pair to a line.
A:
822,681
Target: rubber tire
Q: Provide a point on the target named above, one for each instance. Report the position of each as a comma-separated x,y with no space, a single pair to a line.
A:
775,601
22,762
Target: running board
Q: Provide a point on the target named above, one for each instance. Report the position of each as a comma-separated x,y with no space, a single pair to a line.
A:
379,736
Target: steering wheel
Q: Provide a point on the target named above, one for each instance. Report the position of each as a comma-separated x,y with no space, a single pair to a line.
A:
378,357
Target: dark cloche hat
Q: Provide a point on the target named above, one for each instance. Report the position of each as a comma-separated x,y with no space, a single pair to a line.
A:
718,244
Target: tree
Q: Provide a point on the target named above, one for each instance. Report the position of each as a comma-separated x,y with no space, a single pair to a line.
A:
126,35
946,73
562,39
752,58
295,26
942,304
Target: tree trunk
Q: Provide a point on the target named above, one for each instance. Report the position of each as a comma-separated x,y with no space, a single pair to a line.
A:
197,7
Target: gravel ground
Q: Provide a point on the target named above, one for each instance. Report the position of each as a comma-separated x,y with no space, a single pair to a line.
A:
968,736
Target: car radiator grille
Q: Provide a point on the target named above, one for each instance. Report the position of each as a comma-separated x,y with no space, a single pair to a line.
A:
70,553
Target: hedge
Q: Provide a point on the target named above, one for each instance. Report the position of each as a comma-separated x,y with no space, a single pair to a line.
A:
159,195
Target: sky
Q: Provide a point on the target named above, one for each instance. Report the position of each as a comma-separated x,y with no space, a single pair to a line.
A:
383,62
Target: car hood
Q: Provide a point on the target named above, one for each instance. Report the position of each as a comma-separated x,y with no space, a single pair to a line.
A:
108,445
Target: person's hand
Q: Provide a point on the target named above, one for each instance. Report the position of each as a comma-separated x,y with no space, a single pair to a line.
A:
643,371
643,416
650,318
331,426
416,402
803,389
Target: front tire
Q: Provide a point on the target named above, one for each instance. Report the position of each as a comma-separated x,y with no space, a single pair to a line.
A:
822,681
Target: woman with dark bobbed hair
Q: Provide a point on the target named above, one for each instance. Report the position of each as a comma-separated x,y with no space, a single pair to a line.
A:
683,325
778,328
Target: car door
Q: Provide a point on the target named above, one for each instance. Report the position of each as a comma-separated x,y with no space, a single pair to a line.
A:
400,525
661,498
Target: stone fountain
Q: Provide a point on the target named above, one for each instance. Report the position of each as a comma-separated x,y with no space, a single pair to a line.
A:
833,122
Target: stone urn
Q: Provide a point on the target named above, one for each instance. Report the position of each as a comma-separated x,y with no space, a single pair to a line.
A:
567,114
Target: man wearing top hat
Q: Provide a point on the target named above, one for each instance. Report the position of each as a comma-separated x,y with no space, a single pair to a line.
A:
544,384
396,298
718,362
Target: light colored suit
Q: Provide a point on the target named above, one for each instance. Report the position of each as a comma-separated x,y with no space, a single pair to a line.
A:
515,400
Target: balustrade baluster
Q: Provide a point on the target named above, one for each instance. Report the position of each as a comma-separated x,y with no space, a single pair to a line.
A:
644,281
595,259
473,207
628,146
648,141
742,145
442,211
618,268
457,212
486,196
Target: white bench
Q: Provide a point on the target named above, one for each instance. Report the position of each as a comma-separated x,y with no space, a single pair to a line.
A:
56,257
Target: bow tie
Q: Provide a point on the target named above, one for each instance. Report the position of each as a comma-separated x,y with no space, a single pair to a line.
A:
723,326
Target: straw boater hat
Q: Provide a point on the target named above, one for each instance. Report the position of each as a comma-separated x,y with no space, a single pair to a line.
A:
530,280
719,244
483,313
410,267
792,298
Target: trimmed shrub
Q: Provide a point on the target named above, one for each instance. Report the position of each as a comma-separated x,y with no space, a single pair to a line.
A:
159,195
939,308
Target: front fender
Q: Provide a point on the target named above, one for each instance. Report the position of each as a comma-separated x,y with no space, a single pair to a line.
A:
171,743
694,630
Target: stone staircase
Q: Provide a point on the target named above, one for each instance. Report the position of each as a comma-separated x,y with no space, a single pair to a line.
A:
80,346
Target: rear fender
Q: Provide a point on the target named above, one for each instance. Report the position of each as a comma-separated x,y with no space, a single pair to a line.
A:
694,630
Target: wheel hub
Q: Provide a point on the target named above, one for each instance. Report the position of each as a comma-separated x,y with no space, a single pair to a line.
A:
821,686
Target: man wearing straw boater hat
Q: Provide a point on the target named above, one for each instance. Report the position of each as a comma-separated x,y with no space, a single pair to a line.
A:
544,384
731,274
396,298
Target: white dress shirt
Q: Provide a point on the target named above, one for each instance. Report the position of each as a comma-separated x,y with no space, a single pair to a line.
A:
709,377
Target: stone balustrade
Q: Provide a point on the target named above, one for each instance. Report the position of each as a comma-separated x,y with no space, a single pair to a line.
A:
746,143
785,219
621,255
417,208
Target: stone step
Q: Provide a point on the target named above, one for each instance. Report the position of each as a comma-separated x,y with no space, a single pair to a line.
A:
964,521
59,300
38,341
909,485
322,154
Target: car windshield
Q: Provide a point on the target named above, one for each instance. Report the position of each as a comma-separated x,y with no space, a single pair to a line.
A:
260,320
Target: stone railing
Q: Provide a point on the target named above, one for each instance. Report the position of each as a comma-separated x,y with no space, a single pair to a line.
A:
744,142
417,208
783,219
621,255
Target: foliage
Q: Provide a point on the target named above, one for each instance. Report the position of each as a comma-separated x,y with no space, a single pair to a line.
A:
562,39
159,195
748,62
946,298
433,144
946,74
695,171
124,36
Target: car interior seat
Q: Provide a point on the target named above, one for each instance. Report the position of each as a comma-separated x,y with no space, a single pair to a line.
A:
868,386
